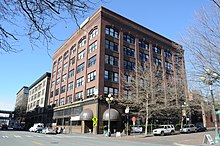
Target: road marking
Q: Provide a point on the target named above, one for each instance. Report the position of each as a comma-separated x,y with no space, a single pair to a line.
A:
28,136
4,136
38,143
17,136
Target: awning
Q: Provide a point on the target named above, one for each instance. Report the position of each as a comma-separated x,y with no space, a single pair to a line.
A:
114,115
86,115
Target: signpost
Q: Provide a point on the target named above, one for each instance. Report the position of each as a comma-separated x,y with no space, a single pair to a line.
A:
217,112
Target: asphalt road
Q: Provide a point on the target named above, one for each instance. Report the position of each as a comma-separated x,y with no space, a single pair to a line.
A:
23,138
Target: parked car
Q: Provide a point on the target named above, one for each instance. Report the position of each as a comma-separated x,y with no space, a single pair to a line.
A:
36,127
164,129
4,127
201,128
188,128
48,131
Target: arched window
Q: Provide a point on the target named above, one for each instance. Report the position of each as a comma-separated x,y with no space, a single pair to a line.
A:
93,33
82,42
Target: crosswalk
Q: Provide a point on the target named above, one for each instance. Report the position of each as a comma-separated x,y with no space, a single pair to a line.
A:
41,136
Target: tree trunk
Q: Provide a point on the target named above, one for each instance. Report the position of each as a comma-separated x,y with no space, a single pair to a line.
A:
146,122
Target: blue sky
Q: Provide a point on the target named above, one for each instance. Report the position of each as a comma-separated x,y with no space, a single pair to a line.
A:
169,18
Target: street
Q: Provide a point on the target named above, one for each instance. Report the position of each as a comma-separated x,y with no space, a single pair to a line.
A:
24,138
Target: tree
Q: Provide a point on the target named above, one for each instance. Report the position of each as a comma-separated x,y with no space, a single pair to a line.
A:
35,20
144,92
203,41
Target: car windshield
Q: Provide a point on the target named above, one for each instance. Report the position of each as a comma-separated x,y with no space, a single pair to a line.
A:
185,126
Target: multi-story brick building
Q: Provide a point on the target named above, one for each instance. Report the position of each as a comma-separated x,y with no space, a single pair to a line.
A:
91,63
21,106
37,100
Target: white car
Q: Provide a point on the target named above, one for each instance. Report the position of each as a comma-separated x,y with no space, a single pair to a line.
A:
48,131
36,127
188,128
164,129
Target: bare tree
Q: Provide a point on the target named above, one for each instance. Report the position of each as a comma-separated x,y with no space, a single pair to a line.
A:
203,41
35,20
144,92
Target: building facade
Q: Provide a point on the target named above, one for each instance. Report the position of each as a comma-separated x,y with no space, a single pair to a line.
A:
21,106
37,100
91,63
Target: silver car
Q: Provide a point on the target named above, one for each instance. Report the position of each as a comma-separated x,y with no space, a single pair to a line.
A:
188,128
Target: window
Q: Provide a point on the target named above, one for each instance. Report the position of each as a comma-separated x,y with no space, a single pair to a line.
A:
73,49
157,61
90,92
93,33
79,96
168,65
72,61
59,70
80,67
110,90
111,45
58,81
62,101
143,45
68,99
63,89
156,50
112,32
143,56
128,51
52,84
92,47
128,38
51,94
92,61
54,74
111,60
81,55
57,91
70,86
66,54
167,54
82,42
129,65
71,73
65,66
91,76
79,82
60,60
112,76
64,78
54,64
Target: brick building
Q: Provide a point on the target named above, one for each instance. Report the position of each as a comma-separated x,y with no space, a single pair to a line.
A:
89,64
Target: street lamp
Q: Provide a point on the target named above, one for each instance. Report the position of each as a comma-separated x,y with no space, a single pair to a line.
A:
109,99
127,112
210,78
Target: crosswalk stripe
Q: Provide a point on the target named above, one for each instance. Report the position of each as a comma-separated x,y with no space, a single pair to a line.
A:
18,136
4,136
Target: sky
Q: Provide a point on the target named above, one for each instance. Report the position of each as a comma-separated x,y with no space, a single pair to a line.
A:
169,18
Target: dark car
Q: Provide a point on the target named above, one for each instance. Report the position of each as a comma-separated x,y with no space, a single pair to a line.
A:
201,128
4,126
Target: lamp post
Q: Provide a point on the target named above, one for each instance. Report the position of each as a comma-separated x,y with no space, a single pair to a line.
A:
127,111
210,78
109,99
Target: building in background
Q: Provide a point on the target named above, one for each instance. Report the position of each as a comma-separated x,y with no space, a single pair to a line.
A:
92,62
37,107
21,107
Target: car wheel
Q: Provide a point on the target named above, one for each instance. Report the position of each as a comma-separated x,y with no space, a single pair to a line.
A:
172,133
162,133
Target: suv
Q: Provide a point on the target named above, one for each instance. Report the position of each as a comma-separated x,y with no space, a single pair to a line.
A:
164,129
188,128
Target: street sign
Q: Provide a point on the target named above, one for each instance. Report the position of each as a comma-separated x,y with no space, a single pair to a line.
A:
217,112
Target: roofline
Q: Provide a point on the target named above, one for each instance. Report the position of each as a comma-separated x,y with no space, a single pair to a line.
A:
47,74
21,89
